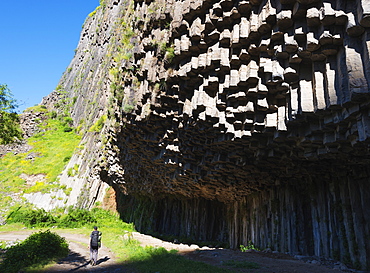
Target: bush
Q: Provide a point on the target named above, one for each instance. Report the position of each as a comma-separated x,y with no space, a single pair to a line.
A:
38,248
76,218
30,217
67,129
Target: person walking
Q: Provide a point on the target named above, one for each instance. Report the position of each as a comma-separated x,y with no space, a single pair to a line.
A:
95,243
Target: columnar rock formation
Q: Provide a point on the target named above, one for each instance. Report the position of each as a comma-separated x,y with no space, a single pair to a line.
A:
238,120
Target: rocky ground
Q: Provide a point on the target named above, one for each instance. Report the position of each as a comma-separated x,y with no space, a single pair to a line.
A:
78,259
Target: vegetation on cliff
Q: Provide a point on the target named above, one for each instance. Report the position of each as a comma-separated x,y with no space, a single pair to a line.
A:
37,169
9,121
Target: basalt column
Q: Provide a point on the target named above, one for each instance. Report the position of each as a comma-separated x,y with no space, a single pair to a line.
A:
239,121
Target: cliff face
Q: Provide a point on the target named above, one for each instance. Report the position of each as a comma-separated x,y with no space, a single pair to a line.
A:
230,120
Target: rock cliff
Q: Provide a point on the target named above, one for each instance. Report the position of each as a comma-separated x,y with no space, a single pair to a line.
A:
230,121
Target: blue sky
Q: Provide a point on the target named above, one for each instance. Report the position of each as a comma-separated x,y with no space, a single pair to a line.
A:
38,39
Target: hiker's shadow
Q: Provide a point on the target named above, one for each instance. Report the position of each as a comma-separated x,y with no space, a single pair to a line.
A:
86,263
102,260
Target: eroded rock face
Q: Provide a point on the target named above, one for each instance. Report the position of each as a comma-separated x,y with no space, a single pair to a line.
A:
256,92
254,111
29,122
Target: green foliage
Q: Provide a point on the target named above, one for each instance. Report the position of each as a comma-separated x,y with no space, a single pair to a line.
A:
9,127
7,102
9,120
98,125
102,3
91,14
128,108
54,148
249,246
67,191
41,187
170,54
59,89
114,72
37,109
41,218
38,248
53,114
76,218
73,171
30,217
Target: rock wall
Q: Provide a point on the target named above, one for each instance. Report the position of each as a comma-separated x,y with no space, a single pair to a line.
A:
237,120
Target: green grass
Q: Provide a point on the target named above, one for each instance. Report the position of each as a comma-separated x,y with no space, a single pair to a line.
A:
52,147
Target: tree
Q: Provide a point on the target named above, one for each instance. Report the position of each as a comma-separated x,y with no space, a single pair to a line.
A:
7,102
9,119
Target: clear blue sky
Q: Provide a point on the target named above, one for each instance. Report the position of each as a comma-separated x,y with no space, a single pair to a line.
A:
38,39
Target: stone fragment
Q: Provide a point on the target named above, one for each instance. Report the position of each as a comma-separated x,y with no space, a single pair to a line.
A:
352,28
281,119
326,38
234,77
244,7
262,104
235,35
356,75
306,96
226,4
225,61
225,38
313,17
254,27
290,75
312,42
291,44
271,120
364,13
244,56
284,19
185,43
340,17
330,80
196,30
244,28
319,86
294,100
327,14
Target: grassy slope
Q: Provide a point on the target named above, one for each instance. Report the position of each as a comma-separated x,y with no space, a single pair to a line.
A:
53,148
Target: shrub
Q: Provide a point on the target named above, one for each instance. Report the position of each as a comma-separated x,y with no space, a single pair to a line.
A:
128,108
76,218
9,127
98,125
53,114
38,248
30,217
169,55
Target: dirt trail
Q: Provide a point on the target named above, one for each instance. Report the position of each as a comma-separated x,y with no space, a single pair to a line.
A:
78,260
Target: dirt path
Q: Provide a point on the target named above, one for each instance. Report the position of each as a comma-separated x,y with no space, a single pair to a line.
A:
79,256
78,260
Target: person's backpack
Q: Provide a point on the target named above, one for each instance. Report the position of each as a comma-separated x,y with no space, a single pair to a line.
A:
96,238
